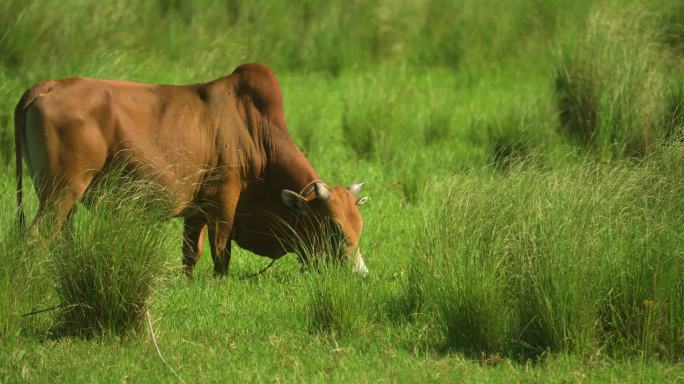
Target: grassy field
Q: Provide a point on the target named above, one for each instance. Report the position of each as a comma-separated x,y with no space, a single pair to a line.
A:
523,161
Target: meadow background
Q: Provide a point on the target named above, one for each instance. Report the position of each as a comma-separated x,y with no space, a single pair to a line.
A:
525,171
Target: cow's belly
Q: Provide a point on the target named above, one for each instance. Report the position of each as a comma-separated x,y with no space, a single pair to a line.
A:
173,168
257,237
179,196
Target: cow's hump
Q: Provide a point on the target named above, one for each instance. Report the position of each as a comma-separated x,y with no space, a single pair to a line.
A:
259,83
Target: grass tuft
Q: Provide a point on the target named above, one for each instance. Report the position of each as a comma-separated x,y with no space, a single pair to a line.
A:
338,300
580,261
339,303
23,287
611,84
106,269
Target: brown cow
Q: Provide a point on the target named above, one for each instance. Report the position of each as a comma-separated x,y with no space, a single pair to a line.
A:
221,148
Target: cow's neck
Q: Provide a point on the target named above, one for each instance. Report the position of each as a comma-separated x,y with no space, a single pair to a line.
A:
293,170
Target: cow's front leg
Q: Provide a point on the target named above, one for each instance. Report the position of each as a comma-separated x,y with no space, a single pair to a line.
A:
193,237
220,228
219,239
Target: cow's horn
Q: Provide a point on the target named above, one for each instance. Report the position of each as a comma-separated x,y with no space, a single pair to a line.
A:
321,192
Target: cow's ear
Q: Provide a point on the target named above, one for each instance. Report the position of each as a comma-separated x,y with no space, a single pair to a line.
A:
293,200
355,189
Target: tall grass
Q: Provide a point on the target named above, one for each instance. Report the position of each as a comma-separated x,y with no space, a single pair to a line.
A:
338,300
23,284
339,303
584,260
9,276
613,83
331,37
106,268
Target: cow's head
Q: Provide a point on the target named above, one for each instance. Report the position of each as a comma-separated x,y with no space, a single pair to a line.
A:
328,222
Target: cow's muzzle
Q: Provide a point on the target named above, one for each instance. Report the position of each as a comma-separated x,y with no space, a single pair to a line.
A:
359,266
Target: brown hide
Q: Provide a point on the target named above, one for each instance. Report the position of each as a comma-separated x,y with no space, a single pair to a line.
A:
221,149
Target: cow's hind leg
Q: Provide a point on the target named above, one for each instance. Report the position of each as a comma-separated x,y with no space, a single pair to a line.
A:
193,239
63,158
68,226
57,209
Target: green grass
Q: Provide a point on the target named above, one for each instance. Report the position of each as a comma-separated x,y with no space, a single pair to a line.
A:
576,260
22,287
612,82
522,159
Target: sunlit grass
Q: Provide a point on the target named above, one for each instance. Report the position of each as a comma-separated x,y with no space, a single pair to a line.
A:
613,83
499,248
586,259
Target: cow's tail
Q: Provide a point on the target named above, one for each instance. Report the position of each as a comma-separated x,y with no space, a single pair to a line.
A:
19,125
